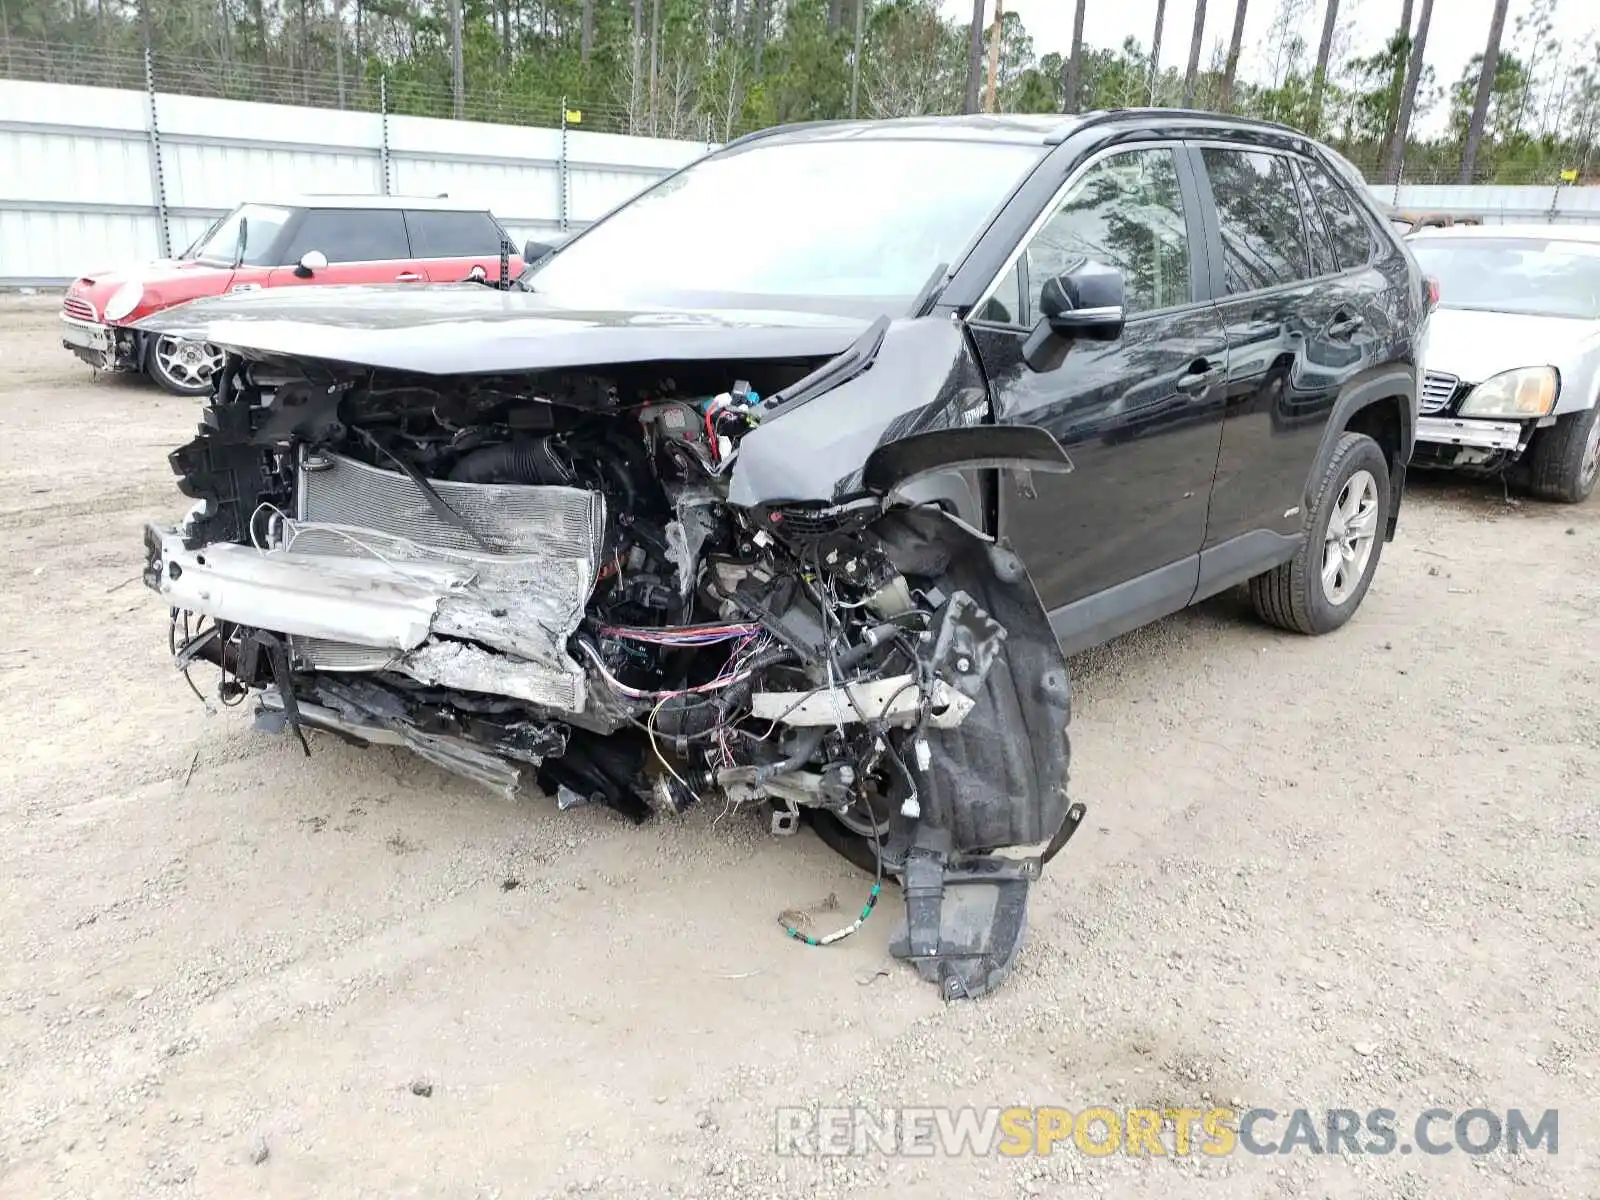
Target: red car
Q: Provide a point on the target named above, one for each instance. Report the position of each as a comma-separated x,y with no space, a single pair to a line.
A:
314,240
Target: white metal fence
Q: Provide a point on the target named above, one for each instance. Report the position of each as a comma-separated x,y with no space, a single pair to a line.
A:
92,177
1498,204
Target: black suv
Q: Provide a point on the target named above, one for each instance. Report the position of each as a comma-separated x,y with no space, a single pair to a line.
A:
1252,407
792,480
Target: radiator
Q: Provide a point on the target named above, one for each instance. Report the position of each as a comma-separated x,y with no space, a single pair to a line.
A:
528,589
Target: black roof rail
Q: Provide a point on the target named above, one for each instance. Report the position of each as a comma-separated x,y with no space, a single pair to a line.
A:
786,127
1050,138
1069,125
1105,115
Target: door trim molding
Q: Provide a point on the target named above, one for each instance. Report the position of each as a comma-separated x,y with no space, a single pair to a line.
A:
1243,557
1126,606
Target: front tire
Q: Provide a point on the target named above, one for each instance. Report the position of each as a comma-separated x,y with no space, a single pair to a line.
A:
1565,458
1320,588
183,367
850,844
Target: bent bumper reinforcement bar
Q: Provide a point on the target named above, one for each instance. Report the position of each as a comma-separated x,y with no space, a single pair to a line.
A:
1480,435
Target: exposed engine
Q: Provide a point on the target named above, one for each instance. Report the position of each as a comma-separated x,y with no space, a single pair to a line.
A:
541,578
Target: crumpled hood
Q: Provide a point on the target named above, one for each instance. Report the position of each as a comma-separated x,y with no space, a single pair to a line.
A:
1475,345
451,329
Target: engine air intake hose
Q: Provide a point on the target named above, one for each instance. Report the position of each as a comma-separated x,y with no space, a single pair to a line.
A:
525,460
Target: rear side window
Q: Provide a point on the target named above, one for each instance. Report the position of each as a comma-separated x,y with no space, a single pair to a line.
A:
1323,261
453,234
351,235
1347,228
1258,212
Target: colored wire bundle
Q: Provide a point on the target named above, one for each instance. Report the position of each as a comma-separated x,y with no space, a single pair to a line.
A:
681,635
738,668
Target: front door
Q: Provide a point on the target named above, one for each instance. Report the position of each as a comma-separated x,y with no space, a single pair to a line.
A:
1114,543
361,246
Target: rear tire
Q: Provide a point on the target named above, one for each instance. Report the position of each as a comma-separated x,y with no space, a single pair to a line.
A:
1320,588
1564,459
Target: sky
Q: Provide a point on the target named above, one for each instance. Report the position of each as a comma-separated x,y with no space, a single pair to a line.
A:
1458,30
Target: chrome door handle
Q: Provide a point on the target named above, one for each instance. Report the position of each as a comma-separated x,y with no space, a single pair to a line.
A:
408,277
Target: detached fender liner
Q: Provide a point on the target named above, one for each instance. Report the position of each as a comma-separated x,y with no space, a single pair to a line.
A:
996,781
999,778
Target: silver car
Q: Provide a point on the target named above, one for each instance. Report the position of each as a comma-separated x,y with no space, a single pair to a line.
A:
1511,379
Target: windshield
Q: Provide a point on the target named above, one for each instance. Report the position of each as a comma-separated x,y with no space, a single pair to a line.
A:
846,225
1539,277
223,241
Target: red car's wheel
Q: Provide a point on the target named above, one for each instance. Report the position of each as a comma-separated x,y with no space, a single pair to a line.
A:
182,367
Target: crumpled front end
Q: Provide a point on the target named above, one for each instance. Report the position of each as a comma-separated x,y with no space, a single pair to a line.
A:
546,595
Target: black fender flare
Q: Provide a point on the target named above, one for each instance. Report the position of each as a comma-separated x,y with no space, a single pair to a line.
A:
1386,384
892,466
943,466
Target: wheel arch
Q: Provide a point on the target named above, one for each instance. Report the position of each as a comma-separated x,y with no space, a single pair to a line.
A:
962,494
1383,405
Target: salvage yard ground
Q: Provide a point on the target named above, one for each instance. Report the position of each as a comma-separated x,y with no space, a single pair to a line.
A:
1361,871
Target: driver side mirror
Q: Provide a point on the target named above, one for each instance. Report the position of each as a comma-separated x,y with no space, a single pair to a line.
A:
311,262
532,252
1085,301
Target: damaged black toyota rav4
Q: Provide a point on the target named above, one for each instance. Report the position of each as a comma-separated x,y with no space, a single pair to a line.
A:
791,481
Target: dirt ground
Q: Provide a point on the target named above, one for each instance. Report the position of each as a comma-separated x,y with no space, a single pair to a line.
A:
1359,871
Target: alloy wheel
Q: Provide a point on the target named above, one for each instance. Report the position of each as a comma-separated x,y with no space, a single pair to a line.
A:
1591,457
1352,533
189,366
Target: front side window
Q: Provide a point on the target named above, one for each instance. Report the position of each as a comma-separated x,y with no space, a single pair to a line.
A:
351,235
262,224
1005,306
845,224
1258,213
1125,211
1347,228
453,234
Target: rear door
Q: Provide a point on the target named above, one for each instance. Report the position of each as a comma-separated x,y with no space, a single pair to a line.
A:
1299,316
1115,542
362,245
450,245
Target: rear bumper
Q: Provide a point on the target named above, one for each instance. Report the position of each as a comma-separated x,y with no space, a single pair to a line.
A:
1475,435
